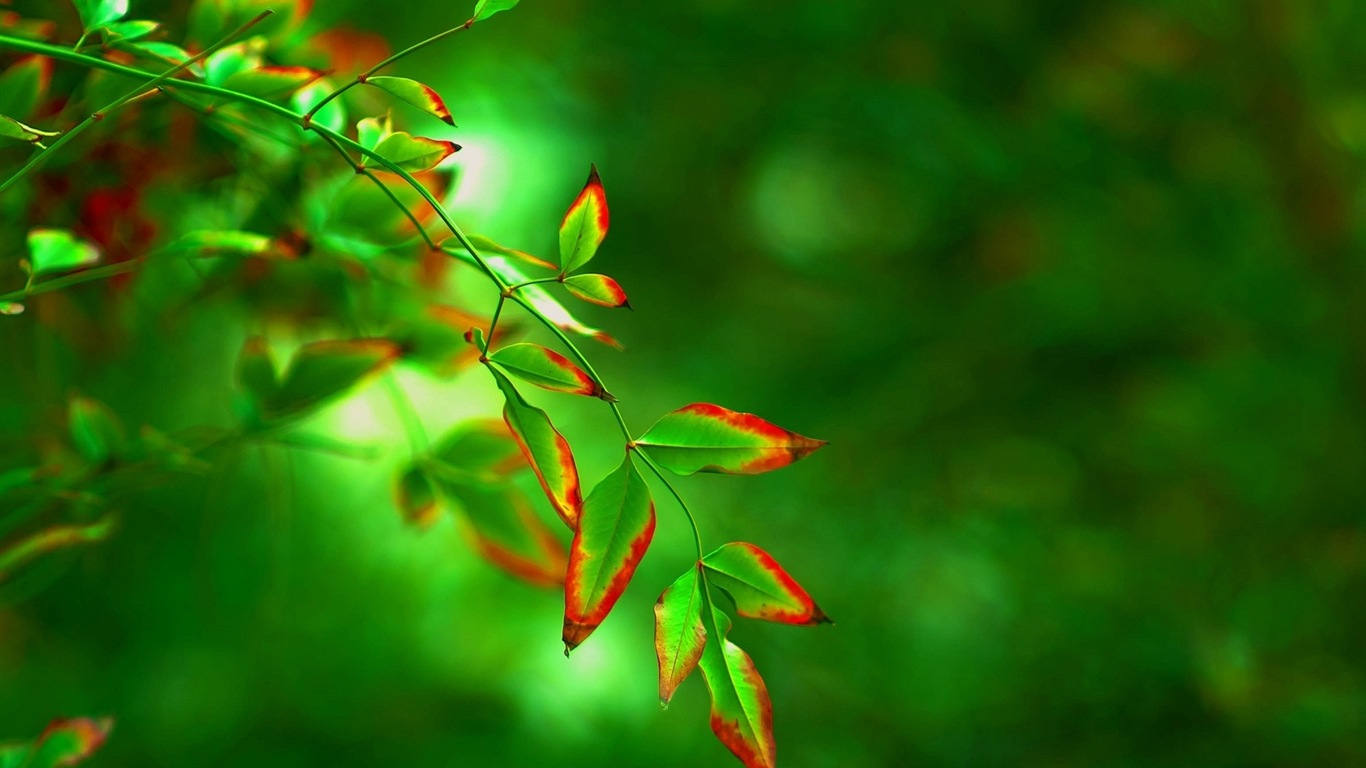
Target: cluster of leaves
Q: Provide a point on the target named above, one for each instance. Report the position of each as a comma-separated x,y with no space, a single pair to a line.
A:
357,238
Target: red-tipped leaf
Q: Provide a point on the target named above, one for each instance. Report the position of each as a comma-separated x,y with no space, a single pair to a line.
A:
679,634
760,587
547,451
584,225
614,532
271,82
414,153
708,438
69,742
411,91
741,711
547,368
597,289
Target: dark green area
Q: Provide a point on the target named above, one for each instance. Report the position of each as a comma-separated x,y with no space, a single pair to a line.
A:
1076,291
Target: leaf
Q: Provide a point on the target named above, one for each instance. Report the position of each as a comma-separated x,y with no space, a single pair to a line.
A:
416,498
323,370
22,85
547,368
506,532
708,438
759,586
486,245
256,371
483,451
97,13
11,308
271,82
58,250
584,225
228,61
95,430
225,241
414,153
370,131
332,115
486,8
741,712
128,31
421,96
679,634
70,742
614,532
597,289
546,450
167,52
13,129
30,548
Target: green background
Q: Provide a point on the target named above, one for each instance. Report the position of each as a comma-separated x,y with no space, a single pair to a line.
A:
1075,291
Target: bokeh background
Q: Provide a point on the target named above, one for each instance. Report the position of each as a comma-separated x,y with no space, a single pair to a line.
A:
1076,291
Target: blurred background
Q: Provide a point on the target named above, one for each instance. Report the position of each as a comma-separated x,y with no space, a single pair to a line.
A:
1075,290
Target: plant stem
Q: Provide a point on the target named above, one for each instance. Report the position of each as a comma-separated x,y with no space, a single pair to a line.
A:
659,473
85,276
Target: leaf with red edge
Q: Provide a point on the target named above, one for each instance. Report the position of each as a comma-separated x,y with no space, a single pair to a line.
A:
679,634
19,553
62,743
23,85
614,532
506,531
411,91
414,153
759,586
597,289
415,497
584,225
271,82
546,450
487,245
741,711
323,370
708,438
548,369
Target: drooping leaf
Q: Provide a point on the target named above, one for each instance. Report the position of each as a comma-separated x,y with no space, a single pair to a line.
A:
333,113
414,153
271,82
486,245
95,430
20,553
545,449
614,532
97,13
597,289
58,250
547,368
486,8
679,633
22,85
482,451
256,371
416,498
759,586
506,532
411,91
584,225
708,438
128,31
741,711
325,369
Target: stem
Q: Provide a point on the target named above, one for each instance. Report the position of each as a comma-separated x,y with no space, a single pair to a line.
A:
493,324
41,157
659,473
363,171
99,273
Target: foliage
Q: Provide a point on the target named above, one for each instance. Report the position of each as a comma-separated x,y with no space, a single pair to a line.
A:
346,259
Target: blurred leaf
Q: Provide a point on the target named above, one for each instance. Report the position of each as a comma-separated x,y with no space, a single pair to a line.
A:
759,586
506,532
679,633
332,115
70,742
414,93
486,245
615,529
58,250
483,450
547,368
256,371
20,553
416,498
219,242
128,31
226,62
13,129
97,13
271,82
95,430
23,84
323,370
11,308
584,225
597,289
546,450
708,438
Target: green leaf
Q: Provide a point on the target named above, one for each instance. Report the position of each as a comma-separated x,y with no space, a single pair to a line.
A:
225,241
11,308
224,63
679,633
547,368
164,52
597,289
481,451
741,711
57,537
708,438
614,532
95,430
128,31
545,449
332,115
256,371
584,225
416,498
486,8
414,153
97,13
69,742
505,531
13,129
324,370
22,85
486,245
370,131
271,82
759,586
58,250
421,96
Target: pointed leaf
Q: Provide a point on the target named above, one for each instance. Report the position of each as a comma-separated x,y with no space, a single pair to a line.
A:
546,450
741,712
414,153
483,451
584,225
13,129
486,8
415,93
760,587
614,532
97,13
129,31
58,250
507,533
486,245
256,371
333,113
597,289
95,430
325,369
271,82
416,499
165,52
679,634
225,241
22,85
547,368
24,551
371,131
708,438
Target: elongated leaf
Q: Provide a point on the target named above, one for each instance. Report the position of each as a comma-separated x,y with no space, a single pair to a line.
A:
20,553
323,370
13,129
165,52
421,96
547,368
584,225
679,633
487,245
225,241
416,498
482,451
95,430
741,711
546,450
129,31
708,438
507,533
486,8
759,586
271,82
22,85
97,13
58,250
414,153
614,532
597,289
